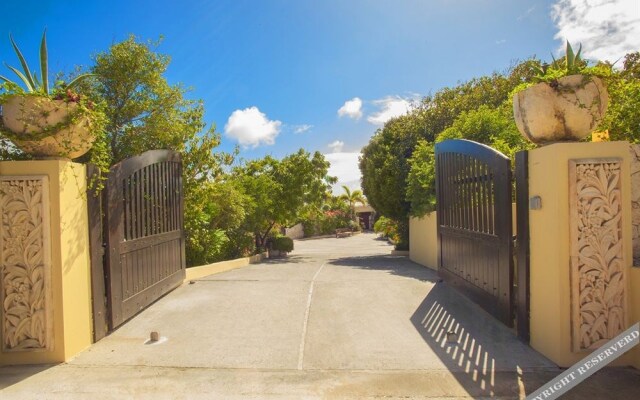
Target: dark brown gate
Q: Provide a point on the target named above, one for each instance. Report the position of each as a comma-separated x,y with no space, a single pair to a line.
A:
473,188
144,232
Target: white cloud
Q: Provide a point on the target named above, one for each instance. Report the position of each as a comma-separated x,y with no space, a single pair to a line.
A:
301,128
389,107
351,108
251,128
345,167
607,29
336,146
501,41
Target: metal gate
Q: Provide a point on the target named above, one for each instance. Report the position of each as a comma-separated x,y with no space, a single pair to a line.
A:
473,189
144,232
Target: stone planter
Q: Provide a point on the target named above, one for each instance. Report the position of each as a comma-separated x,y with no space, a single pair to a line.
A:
25,115
566,110
277,253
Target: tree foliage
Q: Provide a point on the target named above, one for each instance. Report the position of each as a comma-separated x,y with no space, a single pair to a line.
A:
623,116
421,190
145,112
351,198
278,190
398,171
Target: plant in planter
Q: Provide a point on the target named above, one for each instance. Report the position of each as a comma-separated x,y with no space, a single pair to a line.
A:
566,104
280,246
44,122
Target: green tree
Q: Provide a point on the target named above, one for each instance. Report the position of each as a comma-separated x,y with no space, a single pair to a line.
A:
421,188
351,198
623,115
385,162
277,191
213,222
385,167
145,112
494,127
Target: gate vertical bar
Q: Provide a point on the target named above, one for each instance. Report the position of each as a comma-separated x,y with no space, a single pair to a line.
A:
440,164
522,250
94,208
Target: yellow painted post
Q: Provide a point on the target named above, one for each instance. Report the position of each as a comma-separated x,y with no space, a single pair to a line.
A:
555,330
51,196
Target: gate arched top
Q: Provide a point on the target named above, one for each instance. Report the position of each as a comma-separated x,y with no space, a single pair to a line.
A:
126,167
479,151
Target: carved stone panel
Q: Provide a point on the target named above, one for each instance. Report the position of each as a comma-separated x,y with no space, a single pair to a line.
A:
598,283
25,264
635,201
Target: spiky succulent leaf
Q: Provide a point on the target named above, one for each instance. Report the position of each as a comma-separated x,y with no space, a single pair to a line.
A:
570,57
44,63
555,64
25,66
27,82
78,79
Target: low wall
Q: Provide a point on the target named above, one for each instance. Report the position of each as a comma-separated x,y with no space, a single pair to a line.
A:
423,240
222,266
295,232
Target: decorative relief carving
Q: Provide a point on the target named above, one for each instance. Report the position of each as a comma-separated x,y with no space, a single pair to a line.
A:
598,286
25,264
635,201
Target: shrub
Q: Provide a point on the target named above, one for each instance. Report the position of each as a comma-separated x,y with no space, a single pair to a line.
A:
282,243
387,228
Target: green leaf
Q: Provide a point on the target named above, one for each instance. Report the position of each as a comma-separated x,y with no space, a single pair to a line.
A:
578,53
44,63
79,79
554,64
25,67
6,79
570,57
28,83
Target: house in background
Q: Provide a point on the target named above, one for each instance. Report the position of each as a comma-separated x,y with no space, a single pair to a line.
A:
366,216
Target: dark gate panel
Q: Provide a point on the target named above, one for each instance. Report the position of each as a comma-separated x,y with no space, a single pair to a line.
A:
522,248
144,216
473,188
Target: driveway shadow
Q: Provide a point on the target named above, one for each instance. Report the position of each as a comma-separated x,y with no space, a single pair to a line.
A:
290,259
484,355
487,359
394,265
13,374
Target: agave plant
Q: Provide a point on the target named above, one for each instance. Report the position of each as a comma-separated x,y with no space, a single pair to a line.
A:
30,79
572,63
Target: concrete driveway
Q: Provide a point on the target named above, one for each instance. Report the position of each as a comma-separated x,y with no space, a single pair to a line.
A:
339,318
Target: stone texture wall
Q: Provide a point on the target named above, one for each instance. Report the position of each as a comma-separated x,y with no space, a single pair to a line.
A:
635,200
295,232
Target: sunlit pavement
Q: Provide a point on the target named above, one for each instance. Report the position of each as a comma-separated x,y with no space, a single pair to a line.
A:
338,318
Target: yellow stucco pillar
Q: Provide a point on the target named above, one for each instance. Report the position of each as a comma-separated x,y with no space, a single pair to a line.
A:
581,251
44,262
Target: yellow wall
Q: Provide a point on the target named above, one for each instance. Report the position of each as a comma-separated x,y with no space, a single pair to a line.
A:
550,242
423,240
222,266
70,268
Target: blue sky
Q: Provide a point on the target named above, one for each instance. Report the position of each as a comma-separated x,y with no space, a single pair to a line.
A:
278,75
